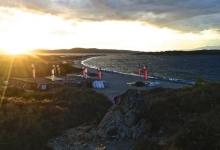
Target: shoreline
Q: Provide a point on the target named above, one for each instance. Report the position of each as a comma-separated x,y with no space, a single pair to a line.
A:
117,83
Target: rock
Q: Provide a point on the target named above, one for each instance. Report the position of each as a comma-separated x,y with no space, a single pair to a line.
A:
129,133
127,104
77,143
129,122
118,113
136,132
130,117
131,105
85,128
117,136
85,145
94,133
88,136
113,137
119,124
126,130
146,128
131,100
111,130
162,128
160,131
122,135
119,121
162,143
146,136
101,129
123,132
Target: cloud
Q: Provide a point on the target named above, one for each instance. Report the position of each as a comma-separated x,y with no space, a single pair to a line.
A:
62,32
183,15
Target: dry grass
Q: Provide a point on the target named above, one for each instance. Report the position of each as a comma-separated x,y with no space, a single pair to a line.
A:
190,116
27,123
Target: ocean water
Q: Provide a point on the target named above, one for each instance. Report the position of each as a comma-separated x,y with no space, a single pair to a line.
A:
174,68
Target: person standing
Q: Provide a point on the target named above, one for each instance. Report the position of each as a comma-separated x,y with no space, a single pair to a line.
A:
117,100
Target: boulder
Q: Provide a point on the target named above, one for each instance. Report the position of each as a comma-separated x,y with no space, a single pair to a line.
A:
125,115
130,117
118,113
120,123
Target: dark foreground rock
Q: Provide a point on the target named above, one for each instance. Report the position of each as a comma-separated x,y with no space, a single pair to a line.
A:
121,128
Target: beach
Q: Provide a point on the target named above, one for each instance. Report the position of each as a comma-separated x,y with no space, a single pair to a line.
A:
117,83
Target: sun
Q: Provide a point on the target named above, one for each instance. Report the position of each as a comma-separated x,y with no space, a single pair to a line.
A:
14,50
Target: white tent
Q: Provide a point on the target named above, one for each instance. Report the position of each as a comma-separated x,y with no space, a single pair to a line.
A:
99,84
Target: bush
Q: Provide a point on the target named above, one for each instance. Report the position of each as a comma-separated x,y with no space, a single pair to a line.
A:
12,91
190,115
29,123
202,132
19,66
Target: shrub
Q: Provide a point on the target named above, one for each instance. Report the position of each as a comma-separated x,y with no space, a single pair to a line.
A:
201,132
29,123
12,91
190,115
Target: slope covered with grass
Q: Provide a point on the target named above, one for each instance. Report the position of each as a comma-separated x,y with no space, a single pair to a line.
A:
190,116
27,122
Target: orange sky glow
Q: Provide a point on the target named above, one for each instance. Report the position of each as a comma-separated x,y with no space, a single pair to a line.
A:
24,29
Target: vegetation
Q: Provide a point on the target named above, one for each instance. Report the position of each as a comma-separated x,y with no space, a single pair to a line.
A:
28,120
190,116
19,66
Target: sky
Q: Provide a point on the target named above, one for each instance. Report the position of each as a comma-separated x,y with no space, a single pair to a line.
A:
140,25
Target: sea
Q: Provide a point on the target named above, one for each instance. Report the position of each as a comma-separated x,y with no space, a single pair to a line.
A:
184,69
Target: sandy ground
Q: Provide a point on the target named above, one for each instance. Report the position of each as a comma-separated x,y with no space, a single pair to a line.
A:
118,82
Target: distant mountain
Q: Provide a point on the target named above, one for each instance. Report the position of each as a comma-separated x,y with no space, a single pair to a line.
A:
82,50
109,51
194,52
217,47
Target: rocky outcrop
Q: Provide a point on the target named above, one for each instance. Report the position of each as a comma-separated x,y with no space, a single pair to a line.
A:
122,123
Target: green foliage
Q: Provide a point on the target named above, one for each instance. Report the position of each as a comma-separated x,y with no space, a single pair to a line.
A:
199,81
20,66
202,132
147,145
12,91
190,115
29,123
